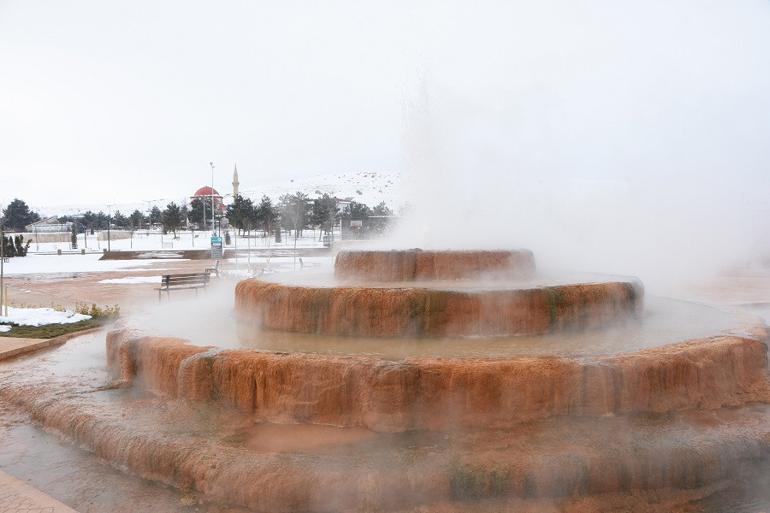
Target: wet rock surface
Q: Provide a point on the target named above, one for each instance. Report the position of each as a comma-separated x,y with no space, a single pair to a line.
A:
438,394
433,312
419,265
224,456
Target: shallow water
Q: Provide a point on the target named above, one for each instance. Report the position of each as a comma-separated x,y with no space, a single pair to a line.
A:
323,278
85,482
663,321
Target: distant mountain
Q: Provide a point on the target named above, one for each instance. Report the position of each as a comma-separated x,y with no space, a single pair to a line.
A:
370,187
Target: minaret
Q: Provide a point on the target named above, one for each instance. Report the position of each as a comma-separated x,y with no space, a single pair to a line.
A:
235,181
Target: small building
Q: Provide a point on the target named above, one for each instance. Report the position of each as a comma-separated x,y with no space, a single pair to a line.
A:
49,225
207,193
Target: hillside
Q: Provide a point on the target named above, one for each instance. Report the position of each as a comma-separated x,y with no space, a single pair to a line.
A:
370,187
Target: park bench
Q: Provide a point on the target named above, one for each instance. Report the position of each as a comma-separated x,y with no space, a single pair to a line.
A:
171,282
214,270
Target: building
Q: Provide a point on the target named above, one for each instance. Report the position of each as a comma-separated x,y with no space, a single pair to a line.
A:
206,193
49,225
236,183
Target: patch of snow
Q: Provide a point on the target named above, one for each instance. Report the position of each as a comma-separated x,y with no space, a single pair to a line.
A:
50,264
41,316
4,328
133,279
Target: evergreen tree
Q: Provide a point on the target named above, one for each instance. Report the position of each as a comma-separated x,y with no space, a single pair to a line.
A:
74,237
18,215
356,211
185,212
265,215
382,210
172,218
240,212
324,212
21,248
197,211
136,218
119,220
155,215
100,223
294,212
9,248
89,220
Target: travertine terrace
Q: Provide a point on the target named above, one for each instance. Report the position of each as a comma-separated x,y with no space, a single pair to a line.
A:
537,419
434,294
418,265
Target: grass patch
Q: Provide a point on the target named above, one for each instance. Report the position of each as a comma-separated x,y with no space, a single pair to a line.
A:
52,330
99,317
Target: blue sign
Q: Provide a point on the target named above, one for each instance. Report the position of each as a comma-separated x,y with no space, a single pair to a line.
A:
216,247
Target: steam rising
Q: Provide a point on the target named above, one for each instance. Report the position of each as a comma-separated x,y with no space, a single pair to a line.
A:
629,139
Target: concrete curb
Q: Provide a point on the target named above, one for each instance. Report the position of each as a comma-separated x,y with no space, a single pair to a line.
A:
38,344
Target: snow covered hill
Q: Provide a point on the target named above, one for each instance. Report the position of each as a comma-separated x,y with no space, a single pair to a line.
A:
370,187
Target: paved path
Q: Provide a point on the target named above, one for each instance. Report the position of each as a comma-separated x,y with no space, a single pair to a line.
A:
11,346
18,497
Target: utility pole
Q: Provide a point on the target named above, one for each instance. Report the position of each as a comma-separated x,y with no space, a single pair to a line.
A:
109,222
2,261
203,201
212,196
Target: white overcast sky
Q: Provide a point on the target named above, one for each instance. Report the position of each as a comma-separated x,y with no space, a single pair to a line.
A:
120,101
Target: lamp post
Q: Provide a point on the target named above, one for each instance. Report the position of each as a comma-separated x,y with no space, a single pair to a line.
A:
212,197
109,219
2,261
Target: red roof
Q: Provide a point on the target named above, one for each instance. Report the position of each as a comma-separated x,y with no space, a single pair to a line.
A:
206,191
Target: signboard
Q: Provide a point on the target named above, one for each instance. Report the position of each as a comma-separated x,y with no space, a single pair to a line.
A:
356,223
216,247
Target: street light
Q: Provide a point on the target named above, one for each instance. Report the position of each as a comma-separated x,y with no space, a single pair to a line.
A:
3,220
212,197
109,219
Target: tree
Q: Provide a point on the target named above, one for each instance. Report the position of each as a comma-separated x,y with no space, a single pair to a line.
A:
9,249
265,215
155,215
18,215
119,220
324,212
136,218
185,212
197,213
356,210
101,221
88,219
294,212
382,210
172,218
241,212
74,237
21,248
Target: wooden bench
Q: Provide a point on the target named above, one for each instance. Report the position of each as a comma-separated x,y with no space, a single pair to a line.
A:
171,282
214,270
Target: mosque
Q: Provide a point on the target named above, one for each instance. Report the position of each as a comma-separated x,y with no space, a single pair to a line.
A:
208,193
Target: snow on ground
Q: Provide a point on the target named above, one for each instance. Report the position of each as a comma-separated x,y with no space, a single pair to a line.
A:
4,328
50,264
40,316
131,280
156,241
